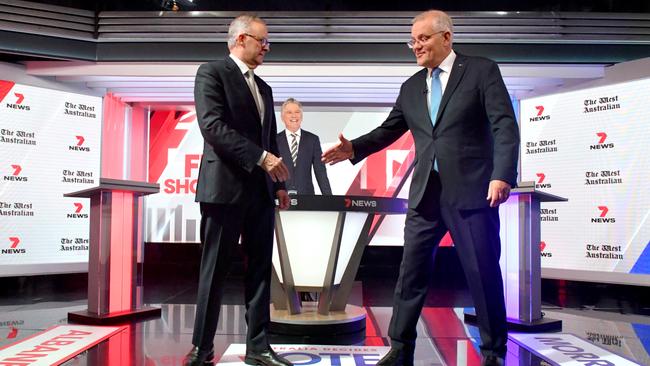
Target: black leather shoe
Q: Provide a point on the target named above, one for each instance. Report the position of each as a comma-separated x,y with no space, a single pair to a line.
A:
266,358
396,357
198,357
492,360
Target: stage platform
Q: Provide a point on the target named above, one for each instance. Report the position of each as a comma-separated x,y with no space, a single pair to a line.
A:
33,306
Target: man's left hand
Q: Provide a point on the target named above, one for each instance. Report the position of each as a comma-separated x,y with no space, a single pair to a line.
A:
283,199
498,192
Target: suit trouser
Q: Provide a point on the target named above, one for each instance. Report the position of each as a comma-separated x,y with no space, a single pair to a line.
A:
476,237
221,226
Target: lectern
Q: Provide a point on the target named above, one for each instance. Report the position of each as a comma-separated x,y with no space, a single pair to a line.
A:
115,253
319,244
520,259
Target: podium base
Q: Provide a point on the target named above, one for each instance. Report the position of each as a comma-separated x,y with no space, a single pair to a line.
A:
309,322
537,326
85,317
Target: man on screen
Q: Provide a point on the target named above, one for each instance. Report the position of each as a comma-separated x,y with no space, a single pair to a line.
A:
467,144
239,177
301,150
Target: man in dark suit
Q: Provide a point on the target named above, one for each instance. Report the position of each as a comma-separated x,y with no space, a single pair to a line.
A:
301,151
239,177
467,145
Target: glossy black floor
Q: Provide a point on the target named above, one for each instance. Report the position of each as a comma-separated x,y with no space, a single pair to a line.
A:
616,318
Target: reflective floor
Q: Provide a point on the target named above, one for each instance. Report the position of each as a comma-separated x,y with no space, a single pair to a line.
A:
443,337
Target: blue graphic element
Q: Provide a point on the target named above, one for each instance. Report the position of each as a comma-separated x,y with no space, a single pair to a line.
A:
643,333
642,264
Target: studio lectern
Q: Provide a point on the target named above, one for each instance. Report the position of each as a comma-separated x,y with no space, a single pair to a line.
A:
115,253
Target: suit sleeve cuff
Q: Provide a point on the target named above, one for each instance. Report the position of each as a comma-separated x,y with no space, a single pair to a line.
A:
261,159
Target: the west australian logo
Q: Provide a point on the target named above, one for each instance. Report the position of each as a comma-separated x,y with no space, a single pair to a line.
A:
603,217
19,103
540,116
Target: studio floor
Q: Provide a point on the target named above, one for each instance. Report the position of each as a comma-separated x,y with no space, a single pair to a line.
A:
612,318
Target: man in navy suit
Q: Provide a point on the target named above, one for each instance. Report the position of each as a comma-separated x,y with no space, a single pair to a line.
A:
239,177
467,144
301,151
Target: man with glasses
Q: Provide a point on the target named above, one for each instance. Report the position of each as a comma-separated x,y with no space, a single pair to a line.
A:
467,144
239,177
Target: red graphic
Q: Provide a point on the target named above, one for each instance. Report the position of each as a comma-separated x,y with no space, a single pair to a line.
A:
540,110
541,177
17,169
14,241
5,87
80,140
603,137
542,245
348,202
78,206
13,332
163,137
603,210
20,98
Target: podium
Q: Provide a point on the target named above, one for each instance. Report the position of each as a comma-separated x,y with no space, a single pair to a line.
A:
115,253
318,248
520,260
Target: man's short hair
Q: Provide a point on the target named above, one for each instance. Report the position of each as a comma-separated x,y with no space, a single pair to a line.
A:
441,21
240,25
291,100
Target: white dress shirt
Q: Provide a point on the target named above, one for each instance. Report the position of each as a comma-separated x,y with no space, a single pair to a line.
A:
244,70
445,67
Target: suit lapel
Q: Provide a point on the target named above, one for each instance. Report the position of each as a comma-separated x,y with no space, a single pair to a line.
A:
422,106
243,86
456,75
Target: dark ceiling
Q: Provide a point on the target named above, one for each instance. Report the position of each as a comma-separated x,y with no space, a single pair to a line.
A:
631,6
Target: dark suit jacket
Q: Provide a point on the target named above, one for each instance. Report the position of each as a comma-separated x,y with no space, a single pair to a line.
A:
475,139
309,155
233,133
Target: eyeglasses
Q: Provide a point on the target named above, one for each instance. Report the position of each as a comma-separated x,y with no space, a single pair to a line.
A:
263,41
422,39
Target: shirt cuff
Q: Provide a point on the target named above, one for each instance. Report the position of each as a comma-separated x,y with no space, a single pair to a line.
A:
261,159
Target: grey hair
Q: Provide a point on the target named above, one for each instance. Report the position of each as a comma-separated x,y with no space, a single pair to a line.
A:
240,25
441,21
291,100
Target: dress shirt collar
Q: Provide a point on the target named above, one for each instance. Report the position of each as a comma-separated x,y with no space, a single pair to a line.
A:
242,66
446,64
289,133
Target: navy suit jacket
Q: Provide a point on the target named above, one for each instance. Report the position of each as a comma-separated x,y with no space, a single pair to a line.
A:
309,155
475,138
234,137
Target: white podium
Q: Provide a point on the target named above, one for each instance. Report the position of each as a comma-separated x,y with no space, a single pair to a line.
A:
318,248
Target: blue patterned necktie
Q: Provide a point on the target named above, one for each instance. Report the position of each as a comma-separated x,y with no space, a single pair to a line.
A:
436,94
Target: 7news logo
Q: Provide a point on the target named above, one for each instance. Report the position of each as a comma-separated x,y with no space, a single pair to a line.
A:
15,175
540,115
541,181
359,203
19,103
12,247
602,142
603,218
542,252
79,145
78,206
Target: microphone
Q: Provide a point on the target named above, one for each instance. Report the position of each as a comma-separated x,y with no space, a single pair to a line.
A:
426,90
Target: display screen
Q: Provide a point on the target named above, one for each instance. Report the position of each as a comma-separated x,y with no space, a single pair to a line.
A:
49,146
592,146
